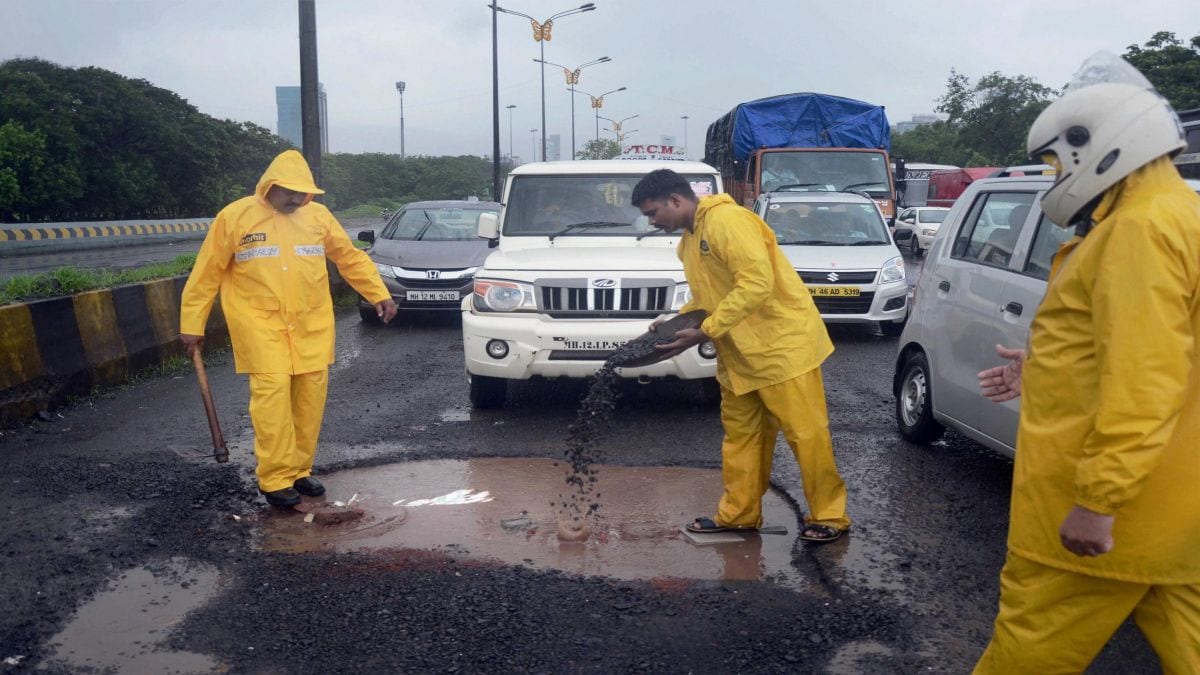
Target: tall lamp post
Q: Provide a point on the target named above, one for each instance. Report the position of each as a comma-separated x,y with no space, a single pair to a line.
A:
685,144
616,127
572,75
541,35
400,88
510,152
597,104
533,142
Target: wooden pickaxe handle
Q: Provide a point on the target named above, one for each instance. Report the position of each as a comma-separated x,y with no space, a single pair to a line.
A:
220,452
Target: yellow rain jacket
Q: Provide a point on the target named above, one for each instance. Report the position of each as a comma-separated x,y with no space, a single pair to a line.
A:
1110,417
761,318
270,269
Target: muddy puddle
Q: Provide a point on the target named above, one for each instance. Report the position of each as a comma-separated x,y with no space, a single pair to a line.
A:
122,628
501,509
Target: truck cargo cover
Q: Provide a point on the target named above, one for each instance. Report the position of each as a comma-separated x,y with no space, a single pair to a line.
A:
803,120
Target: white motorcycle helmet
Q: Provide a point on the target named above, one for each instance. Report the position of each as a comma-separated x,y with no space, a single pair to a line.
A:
1109,122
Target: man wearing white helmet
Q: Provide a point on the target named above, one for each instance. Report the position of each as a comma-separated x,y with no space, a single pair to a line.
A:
1105,518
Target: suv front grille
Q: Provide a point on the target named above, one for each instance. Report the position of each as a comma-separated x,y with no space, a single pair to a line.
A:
841,278
576,298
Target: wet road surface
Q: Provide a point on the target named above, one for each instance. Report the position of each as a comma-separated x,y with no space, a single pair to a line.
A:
107,515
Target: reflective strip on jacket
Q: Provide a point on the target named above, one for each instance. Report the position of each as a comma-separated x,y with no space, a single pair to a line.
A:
1110,416
761,318
270,270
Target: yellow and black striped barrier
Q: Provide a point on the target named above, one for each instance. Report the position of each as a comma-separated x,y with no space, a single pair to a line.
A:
97,231
53,349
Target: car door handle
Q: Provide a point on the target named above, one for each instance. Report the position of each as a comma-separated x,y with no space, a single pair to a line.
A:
1014,308
944,287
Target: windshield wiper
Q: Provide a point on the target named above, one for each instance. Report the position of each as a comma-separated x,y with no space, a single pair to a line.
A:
590,223
650,233
426,226
809,242
869,243
854,185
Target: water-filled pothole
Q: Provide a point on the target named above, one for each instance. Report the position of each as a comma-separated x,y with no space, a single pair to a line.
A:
120,629
501,509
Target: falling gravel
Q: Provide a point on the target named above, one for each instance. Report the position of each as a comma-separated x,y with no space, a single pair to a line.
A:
579,500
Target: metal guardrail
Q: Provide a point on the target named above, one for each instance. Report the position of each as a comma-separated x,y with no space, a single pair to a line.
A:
14,232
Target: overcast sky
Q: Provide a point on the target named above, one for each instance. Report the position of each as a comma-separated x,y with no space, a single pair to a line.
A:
697,58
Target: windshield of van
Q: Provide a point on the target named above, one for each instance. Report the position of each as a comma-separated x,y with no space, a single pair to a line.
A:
826,171
581,205
827,224
416,223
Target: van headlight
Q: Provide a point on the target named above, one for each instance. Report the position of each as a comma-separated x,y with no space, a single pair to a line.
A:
683,295
385,270
503,296
893,271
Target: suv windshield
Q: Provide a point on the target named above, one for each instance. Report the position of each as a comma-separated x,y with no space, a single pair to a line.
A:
417,223
581,205
827,224
832,171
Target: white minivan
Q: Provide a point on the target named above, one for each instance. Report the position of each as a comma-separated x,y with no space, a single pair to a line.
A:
840,246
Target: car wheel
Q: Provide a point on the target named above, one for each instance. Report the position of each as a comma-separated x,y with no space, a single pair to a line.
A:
914,402
914,247
488,392
369,315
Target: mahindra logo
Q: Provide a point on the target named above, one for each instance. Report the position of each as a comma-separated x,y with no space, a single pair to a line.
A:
433,274
603,283
832,276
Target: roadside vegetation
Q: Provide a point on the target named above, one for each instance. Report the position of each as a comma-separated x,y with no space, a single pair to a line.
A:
68,280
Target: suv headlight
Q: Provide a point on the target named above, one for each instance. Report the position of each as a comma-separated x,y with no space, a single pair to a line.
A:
683,295
385,270
503,296
893,271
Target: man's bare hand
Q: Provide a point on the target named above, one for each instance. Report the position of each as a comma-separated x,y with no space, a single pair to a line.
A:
193,343
685,339
386,309
1086,533
657,322
1003,383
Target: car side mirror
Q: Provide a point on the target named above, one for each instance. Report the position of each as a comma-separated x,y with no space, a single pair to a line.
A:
489,226
367,236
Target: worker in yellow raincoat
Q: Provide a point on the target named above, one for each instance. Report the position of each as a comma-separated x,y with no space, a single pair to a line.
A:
1105,515
266,255
770,343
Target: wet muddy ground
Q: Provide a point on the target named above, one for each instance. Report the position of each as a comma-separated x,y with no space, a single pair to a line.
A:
122,553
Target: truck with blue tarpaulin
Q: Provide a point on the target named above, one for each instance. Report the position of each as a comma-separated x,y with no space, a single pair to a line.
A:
804,141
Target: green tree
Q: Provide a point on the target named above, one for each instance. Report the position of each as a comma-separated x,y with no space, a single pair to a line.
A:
1171,66
22,154
599,149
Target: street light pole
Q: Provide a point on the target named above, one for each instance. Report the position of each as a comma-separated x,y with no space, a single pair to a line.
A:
510,149
572,75
541,35
496,113
533,142
400,86
685,141
597,104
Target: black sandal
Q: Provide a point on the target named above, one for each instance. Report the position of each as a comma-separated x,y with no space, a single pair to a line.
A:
826,533
704,525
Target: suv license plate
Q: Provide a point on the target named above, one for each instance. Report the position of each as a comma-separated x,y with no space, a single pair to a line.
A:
591,345
420,296
835,291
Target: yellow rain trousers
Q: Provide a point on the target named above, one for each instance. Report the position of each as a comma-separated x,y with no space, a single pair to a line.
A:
1110,421
770,343
271,273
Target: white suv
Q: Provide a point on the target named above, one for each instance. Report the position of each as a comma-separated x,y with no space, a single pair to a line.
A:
842,249
578,271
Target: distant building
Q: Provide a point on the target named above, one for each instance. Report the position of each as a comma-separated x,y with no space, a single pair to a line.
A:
289,123
553,148
916,121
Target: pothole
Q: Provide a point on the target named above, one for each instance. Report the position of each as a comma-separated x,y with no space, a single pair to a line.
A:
121,628
501,509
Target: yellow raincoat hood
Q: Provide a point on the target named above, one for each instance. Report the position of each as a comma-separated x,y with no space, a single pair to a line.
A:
288,170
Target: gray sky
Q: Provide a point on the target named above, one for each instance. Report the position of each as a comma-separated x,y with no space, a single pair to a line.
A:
697,58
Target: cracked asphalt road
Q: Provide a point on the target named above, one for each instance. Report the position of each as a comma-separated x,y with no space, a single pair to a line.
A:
102,490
